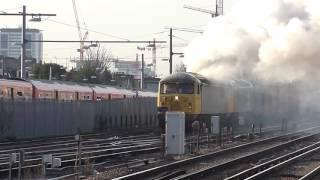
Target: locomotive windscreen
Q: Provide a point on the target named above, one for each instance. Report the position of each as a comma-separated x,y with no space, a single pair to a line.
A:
173,88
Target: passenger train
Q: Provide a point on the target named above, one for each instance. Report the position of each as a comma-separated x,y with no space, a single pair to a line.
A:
235,103
62,90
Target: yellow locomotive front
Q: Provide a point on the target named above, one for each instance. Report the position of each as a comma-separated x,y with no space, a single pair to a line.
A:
179,92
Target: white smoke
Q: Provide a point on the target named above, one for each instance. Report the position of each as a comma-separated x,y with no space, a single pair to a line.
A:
270,40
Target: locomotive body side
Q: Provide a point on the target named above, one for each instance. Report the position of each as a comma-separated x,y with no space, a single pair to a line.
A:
215,99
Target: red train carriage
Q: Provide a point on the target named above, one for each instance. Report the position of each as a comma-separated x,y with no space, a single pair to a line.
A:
16,89
61,90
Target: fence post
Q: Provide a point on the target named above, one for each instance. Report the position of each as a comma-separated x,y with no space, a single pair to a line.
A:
21,159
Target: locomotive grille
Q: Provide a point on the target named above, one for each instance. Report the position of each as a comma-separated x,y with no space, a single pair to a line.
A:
182,104
175,106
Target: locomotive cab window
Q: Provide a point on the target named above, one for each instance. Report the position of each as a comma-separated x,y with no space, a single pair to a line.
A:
172,88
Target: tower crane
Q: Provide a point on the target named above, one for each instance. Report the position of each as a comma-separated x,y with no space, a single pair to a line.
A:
82,38
218,9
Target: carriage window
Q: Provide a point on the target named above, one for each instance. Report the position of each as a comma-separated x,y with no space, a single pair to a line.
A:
19,93
171,88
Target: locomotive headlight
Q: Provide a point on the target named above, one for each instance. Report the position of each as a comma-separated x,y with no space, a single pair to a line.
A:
176,98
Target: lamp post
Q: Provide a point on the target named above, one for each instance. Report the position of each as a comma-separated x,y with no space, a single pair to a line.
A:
142,67
2,60
23,42
171,53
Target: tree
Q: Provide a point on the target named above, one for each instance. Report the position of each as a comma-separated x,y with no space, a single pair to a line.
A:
42,71
95,67
181,68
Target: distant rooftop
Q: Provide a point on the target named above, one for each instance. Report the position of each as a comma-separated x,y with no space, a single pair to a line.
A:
18,30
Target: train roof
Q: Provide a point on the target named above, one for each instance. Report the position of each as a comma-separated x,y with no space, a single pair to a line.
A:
103,89
14,82
47,85
147,94
185,77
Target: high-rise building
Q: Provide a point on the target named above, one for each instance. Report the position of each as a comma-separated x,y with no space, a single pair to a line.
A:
10,45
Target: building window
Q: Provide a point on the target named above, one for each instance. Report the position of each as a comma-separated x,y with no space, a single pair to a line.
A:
19,93
28,54
4,53
4,41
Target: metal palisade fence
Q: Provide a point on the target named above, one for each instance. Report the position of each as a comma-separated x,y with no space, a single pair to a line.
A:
29,119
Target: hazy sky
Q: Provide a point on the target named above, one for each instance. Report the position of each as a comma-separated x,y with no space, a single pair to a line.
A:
128,19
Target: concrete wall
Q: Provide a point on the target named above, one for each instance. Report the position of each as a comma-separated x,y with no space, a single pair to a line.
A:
28,119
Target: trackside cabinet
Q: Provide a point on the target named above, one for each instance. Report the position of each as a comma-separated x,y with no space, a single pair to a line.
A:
175,133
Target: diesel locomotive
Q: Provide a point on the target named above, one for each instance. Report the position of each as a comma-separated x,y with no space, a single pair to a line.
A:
236,103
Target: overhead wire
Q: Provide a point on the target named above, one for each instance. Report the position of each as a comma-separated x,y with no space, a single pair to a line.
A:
91,30
4,10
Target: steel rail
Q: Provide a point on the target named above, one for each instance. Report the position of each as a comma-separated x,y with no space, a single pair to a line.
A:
311,174
25,144
86,145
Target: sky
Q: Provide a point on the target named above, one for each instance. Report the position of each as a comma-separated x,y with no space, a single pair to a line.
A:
112,20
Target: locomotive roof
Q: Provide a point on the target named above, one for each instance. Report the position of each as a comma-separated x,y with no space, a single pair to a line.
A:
185,77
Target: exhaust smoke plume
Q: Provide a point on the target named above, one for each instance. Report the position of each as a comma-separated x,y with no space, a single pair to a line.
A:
266,40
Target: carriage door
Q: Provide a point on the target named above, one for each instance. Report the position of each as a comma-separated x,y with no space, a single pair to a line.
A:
56,95
11,94
77,96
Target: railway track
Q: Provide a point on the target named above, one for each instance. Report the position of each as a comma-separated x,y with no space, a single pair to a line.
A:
294,165
89,145
23,143
101,151
200,166
94,148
